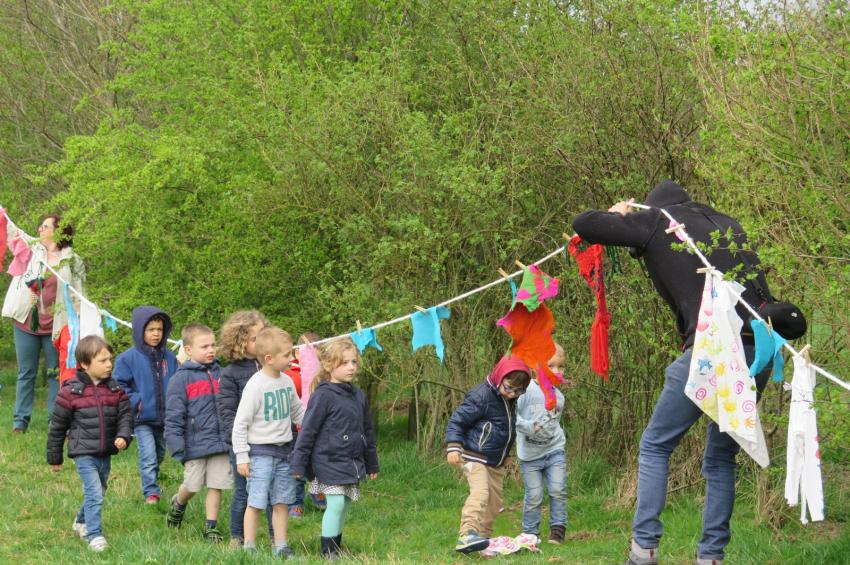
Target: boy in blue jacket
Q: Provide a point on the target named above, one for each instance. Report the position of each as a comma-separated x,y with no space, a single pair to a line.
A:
194,432
480,435
144,371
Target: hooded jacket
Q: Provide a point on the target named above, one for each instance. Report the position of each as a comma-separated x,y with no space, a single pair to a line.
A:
234,377
673,272
336,444
92,416
145,371
193,427
483,428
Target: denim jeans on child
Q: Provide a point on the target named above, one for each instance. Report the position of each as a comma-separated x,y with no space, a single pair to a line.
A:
28,348
94,473
151,442
673,415
270,482
549,471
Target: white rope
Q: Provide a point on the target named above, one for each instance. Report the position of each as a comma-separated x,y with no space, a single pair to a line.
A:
743,302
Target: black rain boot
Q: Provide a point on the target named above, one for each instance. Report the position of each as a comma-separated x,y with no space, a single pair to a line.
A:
338,541
329,549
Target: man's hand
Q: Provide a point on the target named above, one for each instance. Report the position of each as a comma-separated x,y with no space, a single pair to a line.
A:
622,207
120,443
244,469
453,458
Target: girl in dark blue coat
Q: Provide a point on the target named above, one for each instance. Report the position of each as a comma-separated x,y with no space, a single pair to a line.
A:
336,446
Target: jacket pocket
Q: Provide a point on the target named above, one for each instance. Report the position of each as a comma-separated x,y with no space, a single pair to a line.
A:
486,431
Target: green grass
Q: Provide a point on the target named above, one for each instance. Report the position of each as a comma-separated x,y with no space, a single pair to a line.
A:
410,514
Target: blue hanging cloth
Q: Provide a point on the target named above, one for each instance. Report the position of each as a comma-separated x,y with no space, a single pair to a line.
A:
109,320
365,338
768,347
426,329
73,329
513,290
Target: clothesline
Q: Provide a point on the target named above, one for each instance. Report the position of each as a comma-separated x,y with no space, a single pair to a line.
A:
681,229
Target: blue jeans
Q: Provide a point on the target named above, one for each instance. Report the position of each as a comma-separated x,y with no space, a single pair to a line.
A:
673,415
94,472
28,348
299,492
549,471
151,442
239,503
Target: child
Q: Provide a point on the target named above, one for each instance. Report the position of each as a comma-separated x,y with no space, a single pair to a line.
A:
262,436
294,372
193,430
543,459
481,432
238,347
336,446
95,414
144,371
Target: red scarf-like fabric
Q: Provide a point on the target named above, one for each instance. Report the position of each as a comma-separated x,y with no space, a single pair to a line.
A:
589,263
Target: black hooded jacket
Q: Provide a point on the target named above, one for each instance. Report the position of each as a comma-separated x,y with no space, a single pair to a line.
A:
673,272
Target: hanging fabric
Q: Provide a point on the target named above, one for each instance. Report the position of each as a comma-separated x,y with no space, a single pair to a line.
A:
426,329
535,287
308,359
364,338
89,320
803,482
768,347
73,329
589,263
718,381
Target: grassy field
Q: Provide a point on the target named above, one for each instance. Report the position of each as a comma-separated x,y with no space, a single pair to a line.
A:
410,514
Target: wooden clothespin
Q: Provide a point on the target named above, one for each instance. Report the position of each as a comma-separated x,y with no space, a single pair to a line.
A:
677,227
359,328
769,326
704,270
421,309
504,274
804,353
566,236
520,265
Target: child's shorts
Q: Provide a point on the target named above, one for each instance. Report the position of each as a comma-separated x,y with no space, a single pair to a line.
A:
270,482
213,472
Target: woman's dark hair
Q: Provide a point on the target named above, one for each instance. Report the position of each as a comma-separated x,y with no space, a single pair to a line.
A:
64,238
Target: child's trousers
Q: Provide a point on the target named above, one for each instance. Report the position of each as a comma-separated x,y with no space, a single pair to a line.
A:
484,500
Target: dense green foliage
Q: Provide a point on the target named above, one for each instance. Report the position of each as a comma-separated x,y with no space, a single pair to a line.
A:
349,159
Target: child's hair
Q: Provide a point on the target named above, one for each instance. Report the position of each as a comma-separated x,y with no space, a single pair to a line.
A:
234,333
518,379
331,354
269,341
308,337
156,318
89,347
192,331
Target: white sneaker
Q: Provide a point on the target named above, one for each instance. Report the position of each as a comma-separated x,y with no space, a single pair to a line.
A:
80,529
98,544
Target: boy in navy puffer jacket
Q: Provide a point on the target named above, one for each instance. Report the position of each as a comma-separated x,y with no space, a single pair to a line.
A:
480,435
144,371
194,432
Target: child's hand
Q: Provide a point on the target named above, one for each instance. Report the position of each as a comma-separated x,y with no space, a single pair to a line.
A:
120,443
537,428
297,477
56,468
373,476
244,469
453,458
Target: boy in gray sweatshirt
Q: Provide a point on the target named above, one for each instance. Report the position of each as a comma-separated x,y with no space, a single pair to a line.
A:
542,456
262,438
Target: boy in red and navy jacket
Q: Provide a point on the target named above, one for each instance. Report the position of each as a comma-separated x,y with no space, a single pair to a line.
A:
194,432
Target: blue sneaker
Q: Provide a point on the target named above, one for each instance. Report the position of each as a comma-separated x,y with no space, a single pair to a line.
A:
471,542
296,512
286,552
319,501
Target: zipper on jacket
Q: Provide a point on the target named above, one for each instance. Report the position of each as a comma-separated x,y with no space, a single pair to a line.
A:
486,430
510,430
101,419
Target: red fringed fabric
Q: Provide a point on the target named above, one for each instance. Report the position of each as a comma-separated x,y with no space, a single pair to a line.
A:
531,333
589,262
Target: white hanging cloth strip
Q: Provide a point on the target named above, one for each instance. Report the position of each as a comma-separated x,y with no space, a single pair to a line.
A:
90,320
719,381
804,483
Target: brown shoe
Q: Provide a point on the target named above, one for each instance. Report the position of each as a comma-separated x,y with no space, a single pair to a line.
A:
556,534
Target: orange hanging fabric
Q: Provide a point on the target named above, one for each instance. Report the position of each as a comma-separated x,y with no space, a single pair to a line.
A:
589,263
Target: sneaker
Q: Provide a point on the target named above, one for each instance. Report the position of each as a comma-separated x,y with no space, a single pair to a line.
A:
236,543
81,529
556,534
471,542
286,552
175,515
641,556
98,544
212,535
152,499
319,501
296,511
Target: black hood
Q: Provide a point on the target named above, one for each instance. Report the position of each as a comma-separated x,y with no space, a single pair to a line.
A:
667,193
